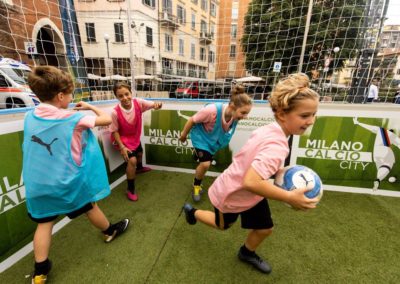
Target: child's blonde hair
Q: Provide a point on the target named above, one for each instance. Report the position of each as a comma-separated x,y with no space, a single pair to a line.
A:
47,81
239,97
289,91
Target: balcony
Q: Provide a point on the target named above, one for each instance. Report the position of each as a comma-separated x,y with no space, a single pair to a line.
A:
192,73
206,38
168,71
181,72
168,20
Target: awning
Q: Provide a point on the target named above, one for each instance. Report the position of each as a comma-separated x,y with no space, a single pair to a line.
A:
116,77
93,77
249,79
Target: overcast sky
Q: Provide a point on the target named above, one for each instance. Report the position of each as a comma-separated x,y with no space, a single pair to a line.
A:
393,13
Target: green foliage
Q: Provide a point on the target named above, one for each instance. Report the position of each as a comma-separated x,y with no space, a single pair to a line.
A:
274,31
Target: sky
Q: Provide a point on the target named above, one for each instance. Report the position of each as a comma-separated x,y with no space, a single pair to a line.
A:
393,13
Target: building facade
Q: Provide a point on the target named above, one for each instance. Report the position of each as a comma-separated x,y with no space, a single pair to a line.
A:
32,32
230,62
111,39
188,34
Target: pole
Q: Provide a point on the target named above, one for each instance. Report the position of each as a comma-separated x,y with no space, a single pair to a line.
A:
131,57
108,50
303,48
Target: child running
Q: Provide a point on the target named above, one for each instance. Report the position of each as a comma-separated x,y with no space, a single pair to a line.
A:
63,167
211,129
243,188
126,129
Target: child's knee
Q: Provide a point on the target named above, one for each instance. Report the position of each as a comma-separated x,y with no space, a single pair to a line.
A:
132,161
205,165
265,232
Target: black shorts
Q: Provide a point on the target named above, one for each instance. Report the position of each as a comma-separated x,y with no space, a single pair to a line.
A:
257,217
202,155
71,215
134,153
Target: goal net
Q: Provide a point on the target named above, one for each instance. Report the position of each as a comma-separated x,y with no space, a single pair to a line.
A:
198,49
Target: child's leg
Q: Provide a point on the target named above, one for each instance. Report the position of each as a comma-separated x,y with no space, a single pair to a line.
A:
42,241
131,168
206,217
199,175
256,237
216,219
130,178
201,169
258,220
97,218
100,221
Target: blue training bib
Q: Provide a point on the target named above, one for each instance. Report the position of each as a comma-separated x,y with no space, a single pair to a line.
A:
214,140
54,183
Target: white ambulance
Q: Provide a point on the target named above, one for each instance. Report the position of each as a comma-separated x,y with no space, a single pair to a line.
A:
14,91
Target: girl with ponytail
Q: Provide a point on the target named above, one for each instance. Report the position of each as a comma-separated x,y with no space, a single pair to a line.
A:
212,128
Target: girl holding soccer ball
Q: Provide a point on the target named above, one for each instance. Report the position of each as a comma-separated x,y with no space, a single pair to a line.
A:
243,188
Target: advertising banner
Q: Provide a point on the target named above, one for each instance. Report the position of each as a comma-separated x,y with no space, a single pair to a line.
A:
354,153
358,154
162,129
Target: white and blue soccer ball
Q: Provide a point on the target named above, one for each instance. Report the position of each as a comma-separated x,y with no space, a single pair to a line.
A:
296,176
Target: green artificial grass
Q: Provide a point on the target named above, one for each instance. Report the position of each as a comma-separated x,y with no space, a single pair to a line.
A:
349,238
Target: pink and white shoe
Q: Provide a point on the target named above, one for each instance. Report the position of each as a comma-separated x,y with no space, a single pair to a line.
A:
143,170
132,196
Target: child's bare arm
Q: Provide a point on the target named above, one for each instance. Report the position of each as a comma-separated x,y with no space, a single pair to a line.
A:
254,183
123,150
157,105
189,124
102,119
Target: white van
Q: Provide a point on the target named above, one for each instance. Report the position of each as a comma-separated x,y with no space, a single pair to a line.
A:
14,91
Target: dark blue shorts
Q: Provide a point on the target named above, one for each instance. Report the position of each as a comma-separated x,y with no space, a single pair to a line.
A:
257,217
134,153
71,215
202,155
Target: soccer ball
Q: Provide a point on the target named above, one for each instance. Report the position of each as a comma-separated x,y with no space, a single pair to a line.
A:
392,179
296,176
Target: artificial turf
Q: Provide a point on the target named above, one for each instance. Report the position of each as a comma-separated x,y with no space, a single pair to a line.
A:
349,238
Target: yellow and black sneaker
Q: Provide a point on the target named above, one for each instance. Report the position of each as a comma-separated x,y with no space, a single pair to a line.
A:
196,194
39,279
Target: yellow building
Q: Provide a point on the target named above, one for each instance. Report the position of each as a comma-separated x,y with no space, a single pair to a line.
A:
187,33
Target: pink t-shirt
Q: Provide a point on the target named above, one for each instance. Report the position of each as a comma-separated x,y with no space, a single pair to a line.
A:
208,115
88,121
130,114
265,151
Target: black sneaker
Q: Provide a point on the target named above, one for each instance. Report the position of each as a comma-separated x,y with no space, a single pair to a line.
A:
256,261
189,213
119,228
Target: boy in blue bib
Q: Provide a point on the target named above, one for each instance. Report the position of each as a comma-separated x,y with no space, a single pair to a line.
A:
211,129
60,140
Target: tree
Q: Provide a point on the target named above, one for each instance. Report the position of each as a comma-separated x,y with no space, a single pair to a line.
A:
274,31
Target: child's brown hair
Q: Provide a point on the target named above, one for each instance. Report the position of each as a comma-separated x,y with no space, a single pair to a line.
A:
239,97
47,81
120,85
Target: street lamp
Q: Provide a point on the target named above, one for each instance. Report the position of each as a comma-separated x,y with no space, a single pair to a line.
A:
107,39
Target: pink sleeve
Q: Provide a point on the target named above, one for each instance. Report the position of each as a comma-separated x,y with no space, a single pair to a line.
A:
145,104
270,158
87,121
206,114
114,121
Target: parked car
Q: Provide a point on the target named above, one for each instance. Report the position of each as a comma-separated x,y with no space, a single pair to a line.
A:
14,91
